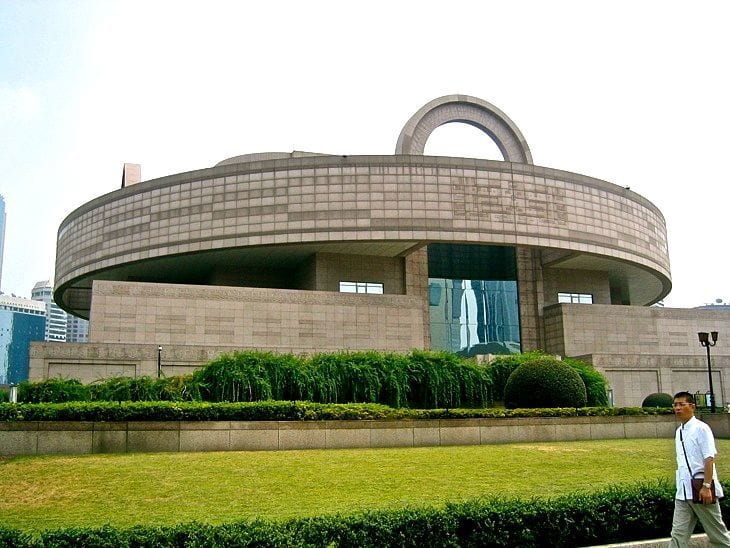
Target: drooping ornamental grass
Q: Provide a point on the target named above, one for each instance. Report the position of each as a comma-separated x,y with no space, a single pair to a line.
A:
419,379
176,388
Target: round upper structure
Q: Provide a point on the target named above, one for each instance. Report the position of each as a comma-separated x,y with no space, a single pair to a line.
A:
275,210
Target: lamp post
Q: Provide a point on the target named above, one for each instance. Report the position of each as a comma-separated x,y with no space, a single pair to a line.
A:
159,361
705,341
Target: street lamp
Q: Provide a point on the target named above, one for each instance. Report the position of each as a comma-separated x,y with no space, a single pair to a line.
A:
705,341
159,361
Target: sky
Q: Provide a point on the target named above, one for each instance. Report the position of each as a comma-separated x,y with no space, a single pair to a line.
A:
633,92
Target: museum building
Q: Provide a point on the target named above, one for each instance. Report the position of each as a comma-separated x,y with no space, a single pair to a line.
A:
302,252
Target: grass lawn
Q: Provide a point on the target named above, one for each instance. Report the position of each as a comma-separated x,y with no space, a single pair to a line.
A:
50,492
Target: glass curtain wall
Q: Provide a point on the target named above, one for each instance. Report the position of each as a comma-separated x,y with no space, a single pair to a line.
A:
473,299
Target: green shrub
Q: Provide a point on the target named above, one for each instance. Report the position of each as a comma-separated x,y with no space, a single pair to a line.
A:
544,382
501,368
52,390
4,397
658,399
595,383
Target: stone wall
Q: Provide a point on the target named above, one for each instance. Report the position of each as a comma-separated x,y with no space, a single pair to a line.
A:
89,362
285,320
636,330
41,438
333,268
643,350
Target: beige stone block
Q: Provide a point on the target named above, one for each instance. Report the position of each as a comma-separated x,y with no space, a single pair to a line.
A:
426,435
640,429
150,437
492,434
668,428
337,438
535,433
607,430
302,435
459,435
255,439
67,442
572,432
392,437
205,438
18,442
145,441
110,441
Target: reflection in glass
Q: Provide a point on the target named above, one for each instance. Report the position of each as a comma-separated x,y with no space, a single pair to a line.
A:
474,316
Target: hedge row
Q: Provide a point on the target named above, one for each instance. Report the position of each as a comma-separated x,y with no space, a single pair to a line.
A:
278,410
614,515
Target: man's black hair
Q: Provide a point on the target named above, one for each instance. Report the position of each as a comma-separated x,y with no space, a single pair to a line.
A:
688,397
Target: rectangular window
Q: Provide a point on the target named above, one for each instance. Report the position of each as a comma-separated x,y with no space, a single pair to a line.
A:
473,317
575,298
361,287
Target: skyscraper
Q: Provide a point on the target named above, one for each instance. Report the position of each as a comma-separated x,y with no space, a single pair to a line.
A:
2,236
21,321
77,329
56,318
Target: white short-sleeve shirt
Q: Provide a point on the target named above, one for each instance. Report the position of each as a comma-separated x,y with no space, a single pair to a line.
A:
699,443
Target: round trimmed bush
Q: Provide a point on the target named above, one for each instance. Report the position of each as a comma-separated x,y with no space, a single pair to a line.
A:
544,382
658,399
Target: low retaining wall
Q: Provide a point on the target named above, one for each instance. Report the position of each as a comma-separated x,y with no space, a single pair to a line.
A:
41,438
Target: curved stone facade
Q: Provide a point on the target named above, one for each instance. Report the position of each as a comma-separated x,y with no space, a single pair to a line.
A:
370,205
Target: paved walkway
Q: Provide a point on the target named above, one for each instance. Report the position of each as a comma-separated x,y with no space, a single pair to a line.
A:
697,541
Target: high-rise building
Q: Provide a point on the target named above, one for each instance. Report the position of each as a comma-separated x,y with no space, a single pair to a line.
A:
77,329
2,236
56,318
21,321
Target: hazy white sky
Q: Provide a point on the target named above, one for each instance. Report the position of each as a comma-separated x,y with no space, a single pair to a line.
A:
636,93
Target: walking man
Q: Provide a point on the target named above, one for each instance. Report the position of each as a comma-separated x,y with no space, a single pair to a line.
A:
695,448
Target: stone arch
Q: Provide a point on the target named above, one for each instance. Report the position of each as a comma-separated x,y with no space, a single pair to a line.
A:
467,110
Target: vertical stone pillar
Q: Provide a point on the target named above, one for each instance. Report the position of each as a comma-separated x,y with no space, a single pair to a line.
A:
416,283
531,296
